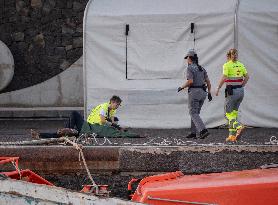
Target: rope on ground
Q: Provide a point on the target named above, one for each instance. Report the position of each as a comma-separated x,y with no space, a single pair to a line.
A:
160,141
84,139
79,148
267,166
273,140
36,142
98,143
91,139
17,169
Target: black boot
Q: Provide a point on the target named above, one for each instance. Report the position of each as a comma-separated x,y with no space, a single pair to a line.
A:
204,133
191,135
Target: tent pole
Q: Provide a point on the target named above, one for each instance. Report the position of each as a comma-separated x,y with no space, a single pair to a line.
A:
192,30
126,34
236,25
125,57
85,98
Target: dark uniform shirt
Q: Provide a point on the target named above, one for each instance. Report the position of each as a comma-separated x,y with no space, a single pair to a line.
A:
194,73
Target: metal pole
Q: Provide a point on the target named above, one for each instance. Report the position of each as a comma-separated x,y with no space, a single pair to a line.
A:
126,34
125,57
236,25
192,31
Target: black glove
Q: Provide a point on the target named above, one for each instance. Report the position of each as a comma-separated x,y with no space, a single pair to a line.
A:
209,97
179,89
116,126
108,119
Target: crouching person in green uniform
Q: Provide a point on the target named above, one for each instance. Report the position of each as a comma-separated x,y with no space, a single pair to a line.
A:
102,121
104,114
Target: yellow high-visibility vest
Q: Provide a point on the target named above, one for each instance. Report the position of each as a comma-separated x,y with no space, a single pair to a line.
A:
234,72
94,117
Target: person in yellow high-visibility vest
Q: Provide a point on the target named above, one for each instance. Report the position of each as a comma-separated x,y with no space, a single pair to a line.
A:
101,121
235,76
104,114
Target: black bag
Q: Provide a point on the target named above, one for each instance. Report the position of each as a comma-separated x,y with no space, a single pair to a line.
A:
228,90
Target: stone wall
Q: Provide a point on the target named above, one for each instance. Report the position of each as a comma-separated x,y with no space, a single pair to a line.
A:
44,36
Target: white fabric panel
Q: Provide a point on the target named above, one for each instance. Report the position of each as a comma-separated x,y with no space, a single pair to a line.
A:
257,6
258,50
153,48
154,7
152,102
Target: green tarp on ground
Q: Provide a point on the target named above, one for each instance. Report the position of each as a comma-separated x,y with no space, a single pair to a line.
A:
105,131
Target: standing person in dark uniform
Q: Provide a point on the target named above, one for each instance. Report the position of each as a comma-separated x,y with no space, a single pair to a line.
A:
235,76
197,81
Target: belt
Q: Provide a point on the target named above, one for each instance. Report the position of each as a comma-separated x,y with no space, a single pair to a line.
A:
204,87
236,86
197,86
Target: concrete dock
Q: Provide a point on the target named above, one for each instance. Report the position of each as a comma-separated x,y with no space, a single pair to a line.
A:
114,161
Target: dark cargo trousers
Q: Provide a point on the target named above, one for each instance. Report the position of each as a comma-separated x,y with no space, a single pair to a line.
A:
232,103
196,99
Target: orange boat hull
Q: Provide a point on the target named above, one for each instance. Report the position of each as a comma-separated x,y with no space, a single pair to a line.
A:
254,187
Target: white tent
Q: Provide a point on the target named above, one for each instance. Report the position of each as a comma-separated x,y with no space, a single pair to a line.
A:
146,66
258,47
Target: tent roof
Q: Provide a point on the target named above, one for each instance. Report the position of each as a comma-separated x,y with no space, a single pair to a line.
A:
153,7
258,6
